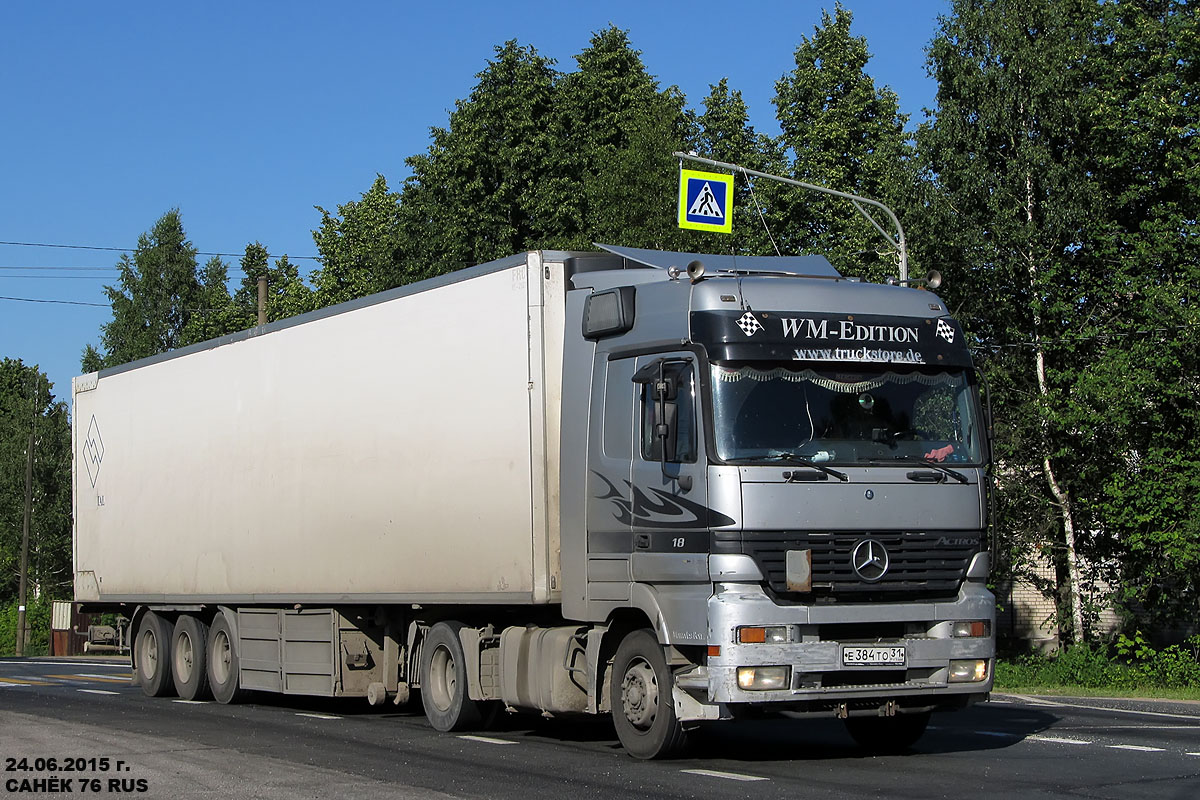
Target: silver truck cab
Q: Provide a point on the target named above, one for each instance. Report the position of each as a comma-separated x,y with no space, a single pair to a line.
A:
785,471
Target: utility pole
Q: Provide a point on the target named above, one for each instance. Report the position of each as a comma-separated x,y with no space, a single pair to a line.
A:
22,589
262,300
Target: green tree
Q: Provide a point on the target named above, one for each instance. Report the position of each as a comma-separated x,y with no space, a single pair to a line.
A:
27,404
484,189
1138,378
724,133
221,313
287,294
1064,173
214,314
616,131
157,292
360,247
844,133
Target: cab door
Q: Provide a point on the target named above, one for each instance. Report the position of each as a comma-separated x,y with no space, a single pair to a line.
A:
669,491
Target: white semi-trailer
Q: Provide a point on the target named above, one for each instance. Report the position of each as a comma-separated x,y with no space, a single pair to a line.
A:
574,483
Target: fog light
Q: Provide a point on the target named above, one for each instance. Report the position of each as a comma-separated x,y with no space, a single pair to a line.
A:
968,670
963,630
775,634
761,679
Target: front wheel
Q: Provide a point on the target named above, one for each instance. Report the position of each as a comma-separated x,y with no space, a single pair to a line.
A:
643,708
444,681
887,735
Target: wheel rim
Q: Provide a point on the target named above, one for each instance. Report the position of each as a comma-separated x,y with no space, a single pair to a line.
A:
148,656
222,658
185,654
639,694
442,678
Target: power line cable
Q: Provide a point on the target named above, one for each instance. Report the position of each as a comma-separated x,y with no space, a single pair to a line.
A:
132,249
59,302
73,269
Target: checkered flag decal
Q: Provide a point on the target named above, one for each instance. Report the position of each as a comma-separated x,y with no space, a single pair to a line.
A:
749,324
945,331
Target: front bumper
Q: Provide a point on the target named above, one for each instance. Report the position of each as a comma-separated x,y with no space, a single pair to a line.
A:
818,680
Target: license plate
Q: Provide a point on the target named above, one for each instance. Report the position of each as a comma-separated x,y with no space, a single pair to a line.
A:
888,656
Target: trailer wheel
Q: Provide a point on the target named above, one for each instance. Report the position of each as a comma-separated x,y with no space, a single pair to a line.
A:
222,662
153,645
887,735
444,681
188,665
643,708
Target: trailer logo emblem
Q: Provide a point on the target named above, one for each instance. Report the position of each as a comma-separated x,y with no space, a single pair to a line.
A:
945,331
749,324
870,560
93,451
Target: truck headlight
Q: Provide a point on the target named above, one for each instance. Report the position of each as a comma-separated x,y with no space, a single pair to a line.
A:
968,670
774,634
761,679
976,629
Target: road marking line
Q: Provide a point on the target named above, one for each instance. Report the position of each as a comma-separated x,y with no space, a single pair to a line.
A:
1109,728
25,682
90,678
318,716
1136,747
191,702
1001,702
1039,702
997,733
78,664
732,776
486,739
127,677
96,691
1036,738
1192,754
8,685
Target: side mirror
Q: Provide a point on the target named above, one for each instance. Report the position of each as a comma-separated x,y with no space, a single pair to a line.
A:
663,387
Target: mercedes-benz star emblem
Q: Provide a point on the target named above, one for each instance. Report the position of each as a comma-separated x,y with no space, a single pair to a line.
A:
870,560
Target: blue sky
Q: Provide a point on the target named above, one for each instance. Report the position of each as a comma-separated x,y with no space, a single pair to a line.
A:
246,115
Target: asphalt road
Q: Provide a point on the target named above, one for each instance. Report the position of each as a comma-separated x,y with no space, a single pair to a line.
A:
80,712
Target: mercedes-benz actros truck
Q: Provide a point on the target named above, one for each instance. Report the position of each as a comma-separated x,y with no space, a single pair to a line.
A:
668,487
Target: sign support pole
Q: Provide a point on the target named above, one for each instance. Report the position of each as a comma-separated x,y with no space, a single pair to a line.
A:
897,241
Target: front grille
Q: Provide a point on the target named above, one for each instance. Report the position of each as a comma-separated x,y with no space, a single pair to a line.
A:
922,564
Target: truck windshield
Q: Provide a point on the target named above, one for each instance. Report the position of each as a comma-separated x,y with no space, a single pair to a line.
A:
851,417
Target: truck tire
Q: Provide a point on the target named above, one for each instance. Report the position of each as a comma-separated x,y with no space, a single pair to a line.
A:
189,667
887,735
643,708
222,662
444,681
153,645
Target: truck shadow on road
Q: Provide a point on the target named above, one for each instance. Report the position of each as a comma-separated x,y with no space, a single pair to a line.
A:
784,739
982,728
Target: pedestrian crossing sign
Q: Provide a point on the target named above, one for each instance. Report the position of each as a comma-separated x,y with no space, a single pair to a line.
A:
705,201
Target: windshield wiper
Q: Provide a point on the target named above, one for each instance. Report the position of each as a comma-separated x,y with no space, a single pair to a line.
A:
953,473
804,462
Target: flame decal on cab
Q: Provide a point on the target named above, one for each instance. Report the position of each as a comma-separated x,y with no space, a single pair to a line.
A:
662,510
